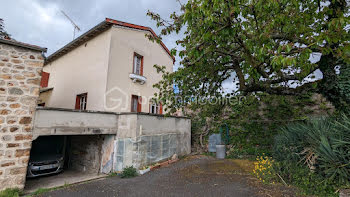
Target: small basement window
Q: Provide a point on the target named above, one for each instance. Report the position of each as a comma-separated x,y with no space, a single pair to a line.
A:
136,103
81,101
138,64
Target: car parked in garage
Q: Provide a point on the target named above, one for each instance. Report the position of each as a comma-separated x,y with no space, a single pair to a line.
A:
47,156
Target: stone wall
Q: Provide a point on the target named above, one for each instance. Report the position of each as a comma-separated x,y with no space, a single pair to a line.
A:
85,153
20,75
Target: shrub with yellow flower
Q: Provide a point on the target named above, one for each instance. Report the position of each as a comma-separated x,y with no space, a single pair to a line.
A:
263,169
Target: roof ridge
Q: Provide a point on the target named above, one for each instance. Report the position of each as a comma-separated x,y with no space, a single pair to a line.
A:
126,24
96,30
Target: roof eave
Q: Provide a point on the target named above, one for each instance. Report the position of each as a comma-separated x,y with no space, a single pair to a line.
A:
83,38
124,24
96,30
23,45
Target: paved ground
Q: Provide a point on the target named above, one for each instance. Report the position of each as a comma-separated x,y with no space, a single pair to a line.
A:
67,177
192,176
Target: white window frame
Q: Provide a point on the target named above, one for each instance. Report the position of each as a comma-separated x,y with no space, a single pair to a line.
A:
83,101
137,64
154,108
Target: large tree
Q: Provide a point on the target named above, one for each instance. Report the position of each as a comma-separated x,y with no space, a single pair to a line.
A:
272,46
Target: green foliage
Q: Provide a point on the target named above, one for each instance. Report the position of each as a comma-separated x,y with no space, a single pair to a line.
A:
323,144
337,89
253,122
262,44
315,155
128,172
268,170
309,183
344,85
10,193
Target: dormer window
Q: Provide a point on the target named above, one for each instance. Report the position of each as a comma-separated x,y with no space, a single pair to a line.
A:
138,64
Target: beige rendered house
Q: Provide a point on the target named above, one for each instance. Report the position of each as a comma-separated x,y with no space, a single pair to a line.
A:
92,90
108,68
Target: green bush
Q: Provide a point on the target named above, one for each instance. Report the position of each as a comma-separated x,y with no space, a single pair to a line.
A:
128,172
310,183
316,151
10,193
253,122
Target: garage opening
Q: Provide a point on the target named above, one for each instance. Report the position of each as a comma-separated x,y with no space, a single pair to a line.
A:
59,160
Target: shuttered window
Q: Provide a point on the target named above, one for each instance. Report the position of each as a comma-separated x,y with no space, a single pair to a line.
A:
44,79
136,102
155,108
81,101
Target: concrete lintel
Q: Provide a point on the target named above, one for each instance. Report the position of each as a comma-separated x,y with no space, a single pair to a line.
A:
67,122
57,121
107,112
72,131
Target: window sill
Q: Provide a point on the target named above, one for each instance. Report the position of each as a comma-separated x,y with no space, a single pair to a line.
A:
46,89
137,78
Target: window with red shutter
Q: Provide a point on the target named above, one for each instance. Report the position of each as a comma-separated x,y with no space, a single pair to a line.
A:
138,64
81,101
155,108
160,108
139,104
136,102
44,79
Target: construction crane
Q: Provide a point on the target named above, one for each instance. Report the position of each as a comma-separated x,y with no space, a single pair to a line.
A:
76,27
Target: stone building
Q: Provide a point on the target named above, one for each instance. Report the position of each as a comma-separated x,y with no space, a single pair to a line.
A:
20,74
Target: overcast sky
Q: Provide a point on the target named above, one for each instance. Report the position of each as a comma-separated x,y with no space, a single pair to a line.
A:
41,22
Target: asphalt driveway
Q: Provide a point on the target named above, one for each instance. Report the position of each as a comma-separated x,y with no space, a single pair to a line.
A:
192,176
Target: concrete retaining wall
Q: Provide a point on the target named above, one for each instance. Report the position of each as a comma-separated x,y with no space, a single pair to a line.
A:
101,141
149,139
129,139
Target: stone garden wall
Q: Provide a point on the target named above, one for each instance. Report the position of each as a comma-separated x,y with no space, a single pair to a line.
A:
20,75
